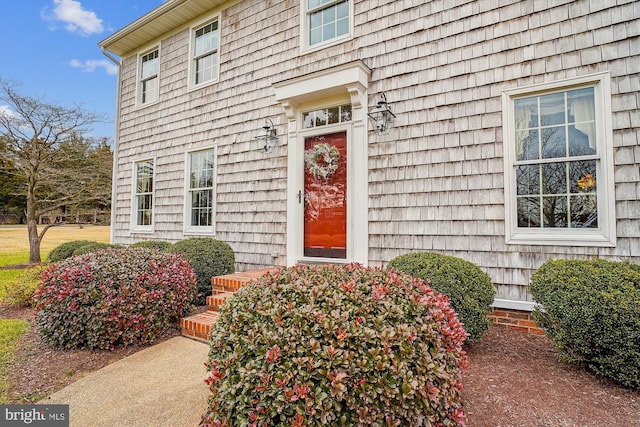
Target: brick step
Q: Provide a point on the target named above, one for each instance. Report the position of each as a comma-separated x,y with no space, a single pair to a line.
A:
199,325
233,282
216,300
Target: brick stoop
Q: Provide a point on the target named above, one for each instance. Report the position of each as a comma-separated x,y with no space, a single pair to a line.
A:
199,325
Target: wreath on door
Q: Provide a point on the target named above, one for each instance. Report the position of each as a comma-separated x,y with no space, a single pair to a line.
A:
322,160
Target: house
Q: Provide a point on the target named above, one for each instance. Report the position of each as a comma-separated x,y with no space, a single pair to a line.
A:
515,138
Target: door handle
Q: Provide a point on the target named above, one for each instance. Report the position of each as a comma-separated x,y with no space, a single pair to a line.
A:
300,196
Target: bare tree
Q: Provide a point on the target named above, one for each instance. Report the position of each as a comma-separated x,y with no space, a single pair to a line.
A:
44,142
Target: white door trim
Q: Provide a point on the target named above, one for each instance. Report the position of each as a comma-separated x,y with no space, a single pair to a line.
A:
348,82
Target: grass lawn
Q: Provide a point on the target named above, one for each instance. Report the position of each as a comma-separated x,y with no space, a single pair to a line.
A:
15,244
10,332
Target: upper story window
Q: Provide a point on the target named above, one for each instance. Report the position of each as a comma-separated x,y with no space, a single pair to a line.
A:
200,191
326,20
148,84
204,66
557,155
143,195
326,116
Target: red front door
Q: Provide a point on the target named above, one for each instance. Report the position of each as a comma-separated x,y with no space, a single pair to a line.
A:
325,196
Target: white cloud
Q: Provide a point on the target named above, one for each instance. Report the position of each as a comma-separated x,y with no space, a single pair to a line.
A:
76,19
5,110
91,65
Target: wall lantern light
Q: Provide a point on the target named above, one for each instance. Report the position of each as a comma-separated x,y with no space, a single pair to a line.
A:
268,135
381,116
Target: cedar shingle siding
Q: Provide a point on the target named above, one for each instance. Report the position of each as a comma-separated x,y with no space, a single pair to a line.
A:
436,183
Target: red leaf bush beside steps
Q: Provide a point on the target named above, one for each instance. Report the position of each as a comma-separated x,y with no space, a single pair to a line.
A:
113,297
336,345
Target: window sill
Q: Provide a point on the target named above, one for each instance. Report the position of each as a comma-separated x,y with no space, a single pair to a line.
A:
142,231
147,104
192,87
323,45
199,232
561,239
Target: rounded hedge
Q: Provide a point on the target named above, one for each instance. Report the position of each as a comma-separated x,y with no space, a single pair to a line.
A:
113,297
208,257
590,309
94,246
336,345
153,244
65,250
468,287
21,290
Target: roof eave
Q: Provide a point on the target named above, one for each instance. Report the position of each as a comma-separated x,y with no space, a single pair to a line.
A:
154,24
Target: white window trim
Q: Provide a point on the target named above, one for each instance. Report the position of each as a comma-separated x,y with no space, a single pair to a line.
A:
605,235
304,31
192,43
139,103
135,228
188,228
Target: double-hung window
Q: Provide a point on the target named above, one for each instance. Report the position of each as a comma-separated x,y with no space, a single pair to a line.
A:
200,191
143,195
204,65
148,84
326,20
558,150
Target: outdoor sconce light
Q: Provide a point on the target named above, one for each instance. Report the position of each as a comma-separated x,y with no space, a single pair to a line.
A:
381,116
268,135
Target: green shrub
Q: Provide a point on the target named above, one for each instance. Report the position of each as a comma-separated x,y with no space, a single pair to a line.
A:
91,247
208,257
20,292
468,287
153,244
336,345
113,297
591,312
65,250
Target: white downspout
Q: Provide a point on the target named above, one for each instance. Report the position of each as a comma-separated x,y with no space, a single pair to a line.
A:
114,173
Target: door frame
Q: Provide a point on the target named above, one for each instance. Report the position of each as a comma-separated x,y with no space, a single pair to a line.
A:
327,88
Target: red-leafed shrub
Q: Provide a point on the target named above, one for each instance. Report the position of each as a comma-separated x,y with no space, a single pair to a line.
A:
113,297
336,345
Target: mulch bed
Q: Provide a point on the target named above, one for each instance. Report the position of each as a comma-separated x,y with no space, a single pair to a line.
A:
514,379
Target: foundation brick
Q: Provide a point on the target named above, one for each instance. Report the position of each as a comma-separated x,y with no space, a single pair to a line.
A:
517,320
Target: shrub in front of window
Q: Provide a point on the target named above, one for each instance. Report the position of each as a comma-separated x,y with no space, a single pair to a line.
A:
469,289
91,247
113,297
590,309
65,250
21,290
208,257
153,244
336,345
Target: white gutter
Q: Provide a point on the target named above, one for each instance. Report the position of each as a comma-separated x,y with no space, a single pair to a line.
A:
114,173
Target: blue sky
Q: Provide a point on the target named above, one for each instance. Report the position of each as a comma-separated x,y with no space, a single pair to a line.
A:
50,47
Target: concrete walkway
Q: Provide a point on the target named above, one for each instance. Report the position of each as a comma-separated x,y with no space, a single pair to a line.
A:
162,385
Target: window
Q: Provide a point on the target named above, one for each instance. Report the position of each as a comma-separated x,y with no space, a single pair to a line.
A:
200,190
148,86
326,20
326,116
205,54
557,159
143,194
